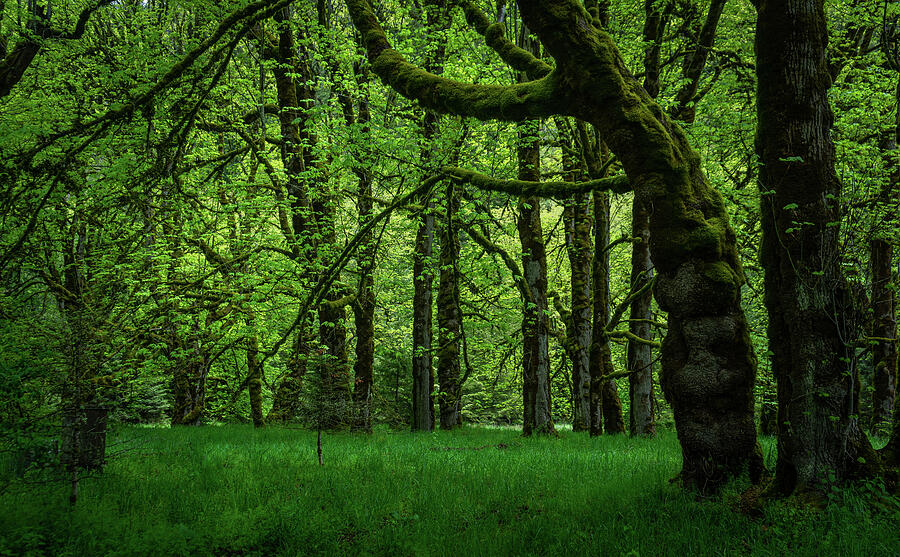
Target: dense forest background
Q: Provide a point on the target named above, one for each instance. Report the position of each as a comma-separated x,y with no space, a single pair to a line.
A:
219,212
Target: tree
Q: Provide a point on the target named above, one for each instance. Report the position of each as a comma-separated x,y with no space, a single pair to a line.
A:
708,364
811,334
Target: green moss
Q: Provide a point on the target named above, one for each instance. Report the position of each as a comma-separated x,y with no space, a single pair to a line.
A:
721,274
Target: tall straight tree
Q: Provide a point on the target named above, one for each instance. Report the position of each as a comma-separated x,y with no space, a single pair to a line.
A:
423,273
884,332
806,296
605,404
538,416
449,316
578,222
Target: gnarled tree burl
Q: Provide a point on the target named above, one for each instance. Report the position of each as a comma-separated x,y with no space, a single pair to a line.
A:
708,366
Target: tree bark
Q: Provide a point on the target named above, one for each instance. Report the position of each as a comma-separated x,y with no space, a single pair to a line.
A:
334,369
578,222
807,298
606,408
297,230
640,355
538,415
423,371
254,382
884,333
449,317
286,400
364,305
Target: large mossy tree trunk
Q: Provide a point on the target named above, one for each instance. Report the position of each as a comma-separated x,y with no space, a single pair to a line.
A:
449,317
538,415
708,366
578,224
810,326
884,333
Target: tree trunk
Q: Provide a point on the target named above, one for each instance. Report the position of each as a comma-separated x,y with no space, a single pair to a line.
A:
578,244
694,64
606,408
298,234
449,317
254,381
807,299
334,372
189,383
640,355
535,323
364,306
884,331
422,369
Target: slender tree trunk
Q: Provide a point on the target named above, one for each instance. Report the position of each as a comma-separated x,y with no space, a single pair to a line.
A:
254,382
334,372
640,355
538,415
605,404
423,280
891,452
449,317
655,18
807,299
578,244
298,229
694,63
884,331
364,306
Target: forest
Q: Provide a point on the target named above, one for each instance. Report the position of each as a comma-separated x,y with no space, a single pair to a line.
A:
415,277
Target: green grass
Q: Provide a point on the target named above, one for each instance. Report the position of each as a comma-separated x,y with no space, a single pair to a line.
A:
231,490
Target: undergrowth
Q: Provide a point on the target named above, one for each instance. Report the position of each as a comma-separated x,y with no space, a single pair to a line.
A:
230,490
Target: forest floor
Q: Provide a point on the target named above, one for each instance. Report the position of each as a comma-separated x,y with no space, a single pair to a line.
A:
230,490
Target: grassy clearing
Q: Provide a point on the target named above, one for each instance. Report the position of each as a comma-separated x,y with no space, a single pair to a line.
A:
231,490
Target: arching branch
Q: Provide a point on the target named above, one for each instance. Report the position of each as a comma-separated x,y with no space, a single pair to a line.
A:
533,99
562,190
495,37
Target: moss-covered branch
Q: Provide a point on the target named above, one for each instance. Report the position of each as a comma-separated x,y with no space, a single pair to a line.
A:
523,101
495,37
562,190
